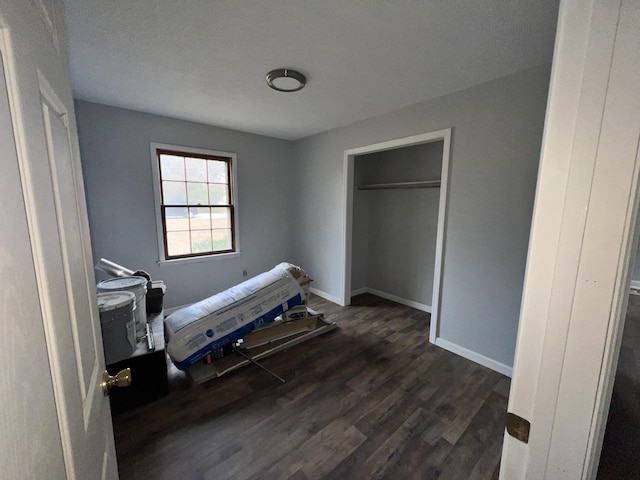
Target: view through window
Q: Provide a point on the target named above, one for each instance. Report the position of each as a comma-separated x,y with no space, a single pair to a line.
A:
196,204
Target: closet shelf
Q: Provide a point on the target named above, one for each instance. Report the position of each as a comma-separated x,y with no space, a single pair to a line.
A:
383,186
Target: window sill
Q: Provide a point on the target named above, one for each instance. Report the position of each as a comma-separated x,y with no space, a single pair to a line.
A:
203,259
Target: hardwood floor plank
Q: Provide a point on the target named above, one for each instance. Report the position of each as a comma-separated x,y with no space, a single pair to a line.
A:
486,426
503,386
322,452
381,464
619,456
309,419
422,460
373,399
488,462
465,407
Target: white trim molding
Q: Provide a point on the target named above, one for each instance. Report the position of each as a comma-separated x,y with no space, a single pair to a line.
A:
474,357
393,298
326,296
582,245
444,136
162,260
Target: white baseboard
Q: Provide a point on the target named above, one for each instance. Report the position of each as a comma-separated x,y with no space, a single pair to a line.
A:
359,291
475,357
326,296
400,300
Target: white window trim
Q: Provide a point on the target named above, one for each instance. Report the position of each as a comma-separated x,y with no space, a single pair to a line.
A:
162,260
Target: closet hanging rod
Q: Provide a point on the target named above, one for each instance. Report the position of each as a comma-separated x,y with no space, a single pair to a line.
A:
382,186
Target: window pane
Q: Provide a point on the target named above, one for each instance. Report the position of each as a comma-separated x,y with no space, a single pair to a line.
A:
201,241
221,240
197,194
221,218
196,169
200,218
172,167
218,171
174,193
178,243
218,194
176,219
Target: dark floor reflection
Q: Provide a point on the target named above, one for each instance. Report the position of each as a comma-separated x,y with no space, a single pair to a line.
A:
621,447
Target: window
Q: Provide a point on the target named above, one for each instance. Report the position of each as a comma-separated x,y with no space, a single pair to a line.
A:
196,206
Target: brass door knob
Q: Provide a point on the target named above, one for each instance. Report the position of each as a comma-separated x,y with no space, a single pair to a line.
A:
121,379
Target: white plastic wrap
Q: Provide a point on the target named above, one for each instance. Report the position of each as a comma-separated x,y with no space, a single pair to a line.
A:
192,332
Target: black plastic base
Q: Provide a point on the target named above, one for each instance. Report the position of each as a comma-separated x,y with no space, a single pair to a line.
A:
149,381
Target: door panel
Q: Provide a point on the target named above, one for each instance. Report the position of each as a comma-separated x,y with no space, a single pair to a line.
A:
84,341
49,179
33,448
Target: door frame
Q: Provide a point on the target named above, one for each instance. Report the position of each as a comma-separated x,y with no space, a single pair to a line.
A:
583,239
443,135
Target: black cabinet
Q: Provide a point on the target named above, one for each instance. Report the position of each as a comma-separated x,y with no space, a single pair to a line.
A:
149,380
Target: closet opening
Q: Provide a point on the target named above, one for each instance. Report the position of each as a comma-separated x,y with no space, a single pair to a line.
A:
395,216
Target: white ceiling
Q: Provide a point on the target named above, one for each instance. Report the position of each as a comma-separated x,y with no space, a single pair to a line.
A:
205,60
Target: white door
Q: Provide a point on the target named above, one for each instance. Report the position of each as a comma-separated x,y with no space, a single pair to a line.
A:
581,245
54,419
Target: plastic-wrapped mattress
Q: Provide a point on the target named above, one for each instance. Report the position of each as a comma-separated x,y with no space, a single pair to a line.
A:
194,331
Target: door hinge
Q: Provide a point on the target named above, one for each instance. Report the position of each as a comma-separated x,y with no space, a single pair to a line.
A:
518,427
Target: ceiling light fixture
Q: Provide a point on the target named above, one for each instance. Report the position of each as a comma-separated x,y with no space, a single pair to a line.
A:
286,80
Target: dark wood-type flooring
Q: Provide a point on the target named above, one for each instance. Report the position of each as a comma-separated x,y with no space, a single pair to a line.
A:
372,399
621,445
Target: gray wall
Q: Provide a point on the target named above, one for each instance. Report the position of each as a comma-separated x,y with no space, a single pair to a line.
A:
291,200
497,132
395,230
360,230
635,273
116,163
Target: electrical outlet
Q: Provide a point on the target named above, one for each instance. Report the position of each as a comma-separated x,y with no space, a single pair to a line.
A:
244,273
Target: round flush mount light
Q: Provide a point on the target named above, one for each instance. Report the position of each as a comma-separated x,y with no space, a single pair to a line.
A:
286,80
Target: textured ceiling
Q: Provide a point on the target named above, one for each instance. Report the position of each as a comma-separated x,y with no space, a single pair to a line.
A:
205,60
